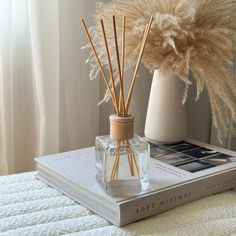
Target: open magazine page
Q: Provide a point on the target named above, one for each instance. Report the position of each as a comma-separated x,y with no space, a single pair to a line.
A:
174,163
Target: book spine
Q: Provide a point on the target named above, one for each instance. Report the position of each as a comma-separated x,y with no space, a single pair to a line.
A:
160,201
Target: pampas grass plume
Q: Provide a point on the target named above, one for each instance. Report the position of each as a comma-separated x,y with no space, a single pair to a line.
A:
186,35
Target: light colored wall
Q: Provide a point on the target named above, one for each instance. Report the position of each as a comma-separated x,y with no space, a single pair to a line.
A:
198,116
79,113
233,140
233,144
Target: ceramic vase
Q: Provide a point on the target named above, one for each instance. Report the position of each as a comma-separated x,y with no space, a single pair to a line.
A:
166,116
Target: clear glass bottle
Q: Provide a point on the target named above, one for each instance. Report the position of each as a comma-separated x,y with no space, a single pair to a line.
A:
122,159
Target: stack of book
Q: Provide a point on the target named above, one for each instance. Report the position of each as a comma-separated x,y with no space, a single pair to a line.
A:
180,173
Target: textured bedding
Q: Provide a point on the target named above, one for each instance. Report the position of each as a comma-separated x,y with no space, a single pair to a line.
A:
30,207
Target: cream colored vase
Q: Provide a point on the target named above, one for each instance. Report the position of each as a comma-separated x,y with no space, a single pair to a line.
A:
166,116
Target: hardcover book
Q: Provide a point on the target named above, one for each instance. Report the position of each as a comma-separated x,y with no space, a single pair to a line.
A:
180,173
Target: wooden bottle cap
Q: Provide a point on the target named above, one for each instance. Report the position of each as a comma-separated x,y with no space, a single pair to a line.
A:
121,127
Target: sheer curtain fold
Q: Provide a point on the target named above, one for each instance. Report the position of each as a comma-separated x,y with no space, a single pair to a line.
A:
8,70
44,32
47,103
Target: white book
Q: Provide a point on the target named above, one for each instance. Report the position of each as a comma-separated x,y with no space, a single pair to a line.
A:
179,173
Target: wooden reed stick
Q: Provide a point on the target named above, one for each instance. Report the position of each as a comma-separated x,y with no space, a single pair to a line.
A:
117,166
131,166
118,62
136,165
138,63
130,158
116,162
122,59
98,61
114,167
110,65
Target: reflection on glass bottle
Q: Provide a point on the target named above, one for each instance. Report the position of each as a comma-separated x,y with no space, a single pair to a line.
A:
122,159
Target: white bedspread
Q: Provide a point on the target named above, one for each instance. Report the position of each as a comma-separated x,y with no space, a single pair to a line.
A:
30,207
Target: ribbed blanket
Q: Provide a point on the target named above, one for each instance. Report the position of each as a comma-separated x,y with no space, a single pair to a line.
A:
30,207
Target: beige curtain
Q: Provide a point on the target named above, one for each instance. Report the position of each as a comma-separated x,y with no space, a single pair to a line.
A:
47,103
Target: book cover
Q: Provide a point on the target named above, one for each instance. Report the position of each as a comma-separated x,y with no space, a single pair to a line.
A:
180,173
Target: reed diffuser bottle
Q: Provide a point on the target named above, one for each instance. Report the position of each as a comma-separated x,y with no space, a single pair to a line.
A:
122,159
